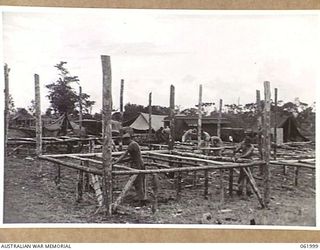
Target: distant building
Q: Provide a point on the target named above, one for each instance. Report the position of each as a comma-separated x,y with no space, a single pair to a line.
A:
22,118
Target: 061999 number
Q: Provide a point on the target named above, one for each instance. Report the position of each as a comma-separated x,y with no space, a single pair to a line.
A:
310,245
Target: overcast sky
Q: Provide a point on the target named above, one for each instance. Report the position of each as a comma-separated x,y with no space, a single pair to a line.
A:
230,54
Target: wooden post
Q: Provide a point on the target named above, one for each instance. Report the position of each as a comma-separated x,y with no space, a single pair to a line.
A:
80,110
219,119
38,122
206,184
231,182
178,184
121,113
150,117
6,109
106,146
266,139
155,191
172,118
259,123
58,176
275,123
200,115
79,192
296,174
221,187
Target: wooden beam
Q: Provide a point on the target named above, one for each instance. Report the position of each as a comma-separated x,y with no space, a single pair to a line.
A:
254,186
150,119
80,110
275,123
219,119
200,115
231,182
267,143
106,146
172,118
121,113
6,109
124,191
38,121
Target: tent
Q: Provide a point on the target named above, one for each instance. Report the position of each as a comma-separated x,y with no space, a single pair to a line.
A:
61,127
141,123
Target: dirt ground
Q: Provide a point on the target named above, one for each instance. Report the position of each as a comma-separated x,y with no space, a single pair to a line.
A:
29,198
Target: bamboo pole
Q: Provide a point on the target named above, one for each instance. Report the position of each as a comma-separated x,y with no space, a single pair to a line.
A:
150,119
221,187
200,115
172,118
6,109
259,123
266,137
106,146
206,184
275,123
219,119
296,174
254,186
38,122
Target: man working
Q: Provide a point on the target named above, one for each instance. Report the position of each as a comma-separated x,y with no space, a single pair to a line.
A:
134,153
187,136
216,142
246,150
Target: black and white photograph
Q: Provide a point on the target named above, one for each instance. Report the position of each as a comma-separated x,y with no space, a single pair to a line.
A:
159,117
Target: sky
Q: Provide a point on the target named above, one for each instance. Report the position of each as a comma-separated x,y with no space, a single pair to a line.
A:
230,53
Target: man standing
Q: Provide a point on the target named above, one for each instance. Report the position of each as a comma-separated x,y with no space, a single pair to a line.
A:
134,153
246,151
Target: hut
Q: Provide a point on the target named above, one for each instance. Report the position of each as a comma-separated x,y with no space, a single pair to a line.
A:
22,118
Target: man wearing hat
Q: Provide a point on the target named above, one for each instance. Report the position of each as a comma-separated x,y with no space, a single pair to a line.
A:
246,149
134,153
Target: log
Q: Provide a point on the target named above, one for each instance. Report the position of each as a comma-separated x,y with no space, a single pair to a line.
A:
124,191
178,186
254,186
58,176
121,113
107,145
97,188
79,192
296,174
275,123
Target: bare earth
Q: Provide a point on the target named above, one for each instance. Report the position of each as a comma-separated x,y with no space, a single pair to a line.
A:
33,199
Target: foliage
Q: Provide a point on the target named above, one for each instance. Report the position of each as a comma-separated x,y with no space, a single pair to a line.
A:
63,98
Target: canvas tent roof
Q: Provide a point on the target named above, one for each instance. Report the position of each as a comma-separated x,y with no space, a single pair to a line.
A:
142,122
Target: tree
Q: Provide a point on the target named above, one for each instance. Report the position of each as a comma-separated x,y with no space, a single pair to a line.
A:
63,98
11,105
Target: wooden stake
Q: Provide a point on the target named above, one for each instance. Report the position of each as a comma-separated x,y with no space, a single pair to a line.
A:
275,123
38,122
200,115
58,176
259,123
172,118
219,119
79,192
296,174
231,182
178,184
6,109
155,191
106,146
150,117
266,144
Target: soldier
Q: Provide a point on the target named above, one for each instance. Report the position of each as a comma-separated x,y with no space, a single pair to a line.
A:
246,151
134,153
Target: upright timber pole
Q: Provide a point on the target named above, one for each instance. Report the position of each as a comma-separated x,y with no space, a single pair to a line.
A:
106,146
172,127
38,120
6,108
121,112
266,140
80,110
150,118
275,123
200,115
219,119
